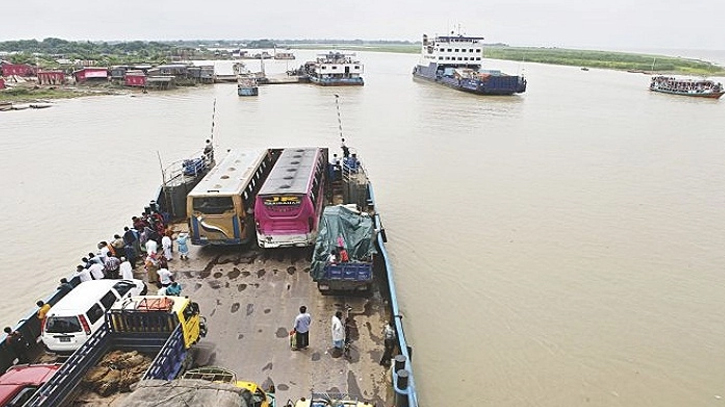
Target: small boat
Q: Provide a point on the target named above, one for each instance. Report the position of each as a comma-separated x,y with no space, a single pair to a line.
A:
40,105
6,106
20,107
584,68
703,88
247,85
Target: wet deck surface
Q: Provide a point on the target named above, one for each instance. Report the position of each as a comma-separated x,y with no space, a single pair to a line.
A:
250,299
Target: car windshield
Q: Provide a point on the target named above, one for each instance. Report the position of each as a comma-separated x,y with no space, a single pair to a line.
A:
62,325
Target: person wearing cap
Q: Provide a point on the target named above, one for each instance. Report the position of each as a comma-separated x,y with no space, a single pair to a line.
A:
126,269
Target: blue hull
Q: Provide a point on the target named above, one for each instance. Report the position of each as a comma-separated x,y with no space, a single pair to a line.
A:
493,85
248,91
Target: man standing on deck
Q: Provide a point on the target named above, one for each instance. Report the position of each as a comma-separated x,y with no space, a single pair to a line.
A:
302,328
18,344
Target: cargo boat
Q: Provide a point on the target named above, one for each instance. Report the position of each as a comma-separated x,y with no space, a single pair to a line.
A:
334,69
251,297
455,61
702,88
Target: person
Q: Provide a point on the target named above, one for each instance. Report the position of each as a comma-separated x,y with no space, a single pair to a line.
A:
165,276
117,244
344,257
151,266
65,286
18,344
174,289
338,333
209,151
151,245
92,258
111,265
345,149
302,328
126,269
389,337
131,238
82,273
167,245
183,248
332,258
96,271
43,309
162,289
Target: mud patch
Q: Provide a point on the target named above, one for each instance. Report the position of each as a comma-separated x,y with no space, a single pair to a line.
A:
212,313
281,332
241,287
306,270
218,274
186,274
268,366
283,387
352,387
250,309
226,285
246,274
215,284
234,273
291,270
240,336
261,273
235,307
316,356
267,311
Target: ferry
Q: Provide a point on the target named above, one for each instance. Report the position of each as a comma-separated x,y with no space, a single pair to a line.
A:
247,82
455,61
702,88
335,69
249,297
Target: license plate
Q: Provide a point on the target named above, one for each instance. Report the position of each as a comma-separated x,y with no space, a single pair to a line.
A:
65,338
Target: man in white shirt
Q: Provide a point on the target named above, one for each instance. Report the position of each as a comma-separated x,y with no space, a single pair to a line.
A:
96,271
165,277
151,246
82,273
126,269
338,332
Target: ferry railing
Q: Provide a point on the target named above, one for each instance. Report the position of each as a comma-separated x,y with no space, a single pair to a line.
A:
403,382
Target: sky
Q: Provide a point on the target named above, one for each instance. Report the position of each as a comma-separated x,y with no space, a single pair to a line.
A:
591,24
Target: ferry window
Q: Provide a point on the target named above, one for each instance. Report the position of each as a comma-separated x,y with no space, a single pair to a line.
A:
448,58
94,313
478,58
324,67
357,66
449,50
440,58
478,49
456,49
213,204
334,67
465,58
459,58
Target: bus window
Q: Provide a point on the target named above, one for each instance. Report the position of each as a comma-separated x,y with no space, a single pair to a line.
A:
213,204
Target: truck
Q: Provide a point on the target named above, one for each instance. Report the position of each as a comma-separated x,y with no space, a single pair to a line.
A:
20,382
161,328
344,228
201,387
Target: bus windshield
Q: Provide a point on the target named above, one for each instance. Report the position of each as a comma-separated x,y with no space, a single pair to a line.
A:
213,204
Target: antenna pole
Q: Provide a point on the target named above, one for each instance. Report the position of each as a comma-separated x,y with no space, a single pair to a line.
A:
339,118
213,114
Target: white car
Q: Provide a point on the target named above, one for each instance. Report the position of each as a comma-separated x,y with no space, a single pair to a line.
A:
73,319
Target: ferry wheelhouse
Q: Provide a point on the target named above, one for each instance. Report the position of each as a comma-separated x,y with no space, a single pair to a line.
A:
335,69
703,88
455,61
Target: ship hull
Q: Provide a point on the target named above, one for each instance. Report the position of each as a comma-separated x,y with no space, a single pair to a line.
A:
495,85
337,81
706,95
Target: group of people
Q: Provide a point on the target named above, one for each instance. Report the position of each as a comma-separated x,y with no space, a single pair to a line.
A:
340,330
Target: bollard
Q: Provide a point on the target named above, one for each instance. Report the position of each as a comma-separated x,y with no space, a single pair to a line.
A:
401,399
400,362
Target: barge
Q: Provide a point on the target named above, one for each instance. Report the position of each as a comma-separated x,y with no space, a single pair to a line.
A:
455,61
335,69
251,296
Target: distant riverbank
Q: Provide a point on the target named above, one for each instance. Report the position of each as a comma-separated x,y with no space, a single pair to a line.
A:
24,94
623,61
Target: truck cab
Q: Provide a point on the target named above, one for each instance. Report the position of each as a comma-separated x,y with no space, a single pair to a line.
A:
20,382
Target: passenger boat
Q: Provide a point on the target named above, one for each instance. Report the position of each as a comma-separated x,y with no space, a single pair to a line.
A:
335,69
250,297
702,88
284,56
455,61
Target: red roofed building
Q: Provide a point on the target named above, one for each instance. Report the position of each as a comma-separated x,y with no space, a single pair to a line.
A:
96,74
17,69
136,79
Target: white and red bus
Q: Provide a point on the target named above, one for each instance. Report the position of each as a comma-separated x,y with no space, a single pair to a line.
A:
289,204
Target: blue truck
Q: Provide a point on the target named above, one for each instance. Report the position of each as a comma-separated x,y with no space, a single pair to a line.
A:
164,328
344,253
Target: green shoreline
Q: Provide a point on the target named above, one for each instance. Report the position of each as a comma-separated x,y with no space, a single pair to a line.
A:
622,61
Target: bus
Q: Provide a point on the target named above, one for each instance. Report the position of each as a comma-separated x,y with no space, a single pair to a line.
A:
289,204
220,205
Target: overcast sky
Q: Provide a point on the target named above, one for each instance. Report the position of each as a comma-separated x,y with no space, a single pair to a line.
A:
597,24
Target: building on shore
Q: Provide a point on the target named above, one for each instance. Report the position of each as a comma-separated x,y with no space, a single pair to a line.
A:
136,79
51,78
91,74
10,69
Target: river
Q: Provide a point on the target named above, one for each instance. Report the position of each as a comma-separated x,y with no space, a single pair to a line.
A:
558,248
